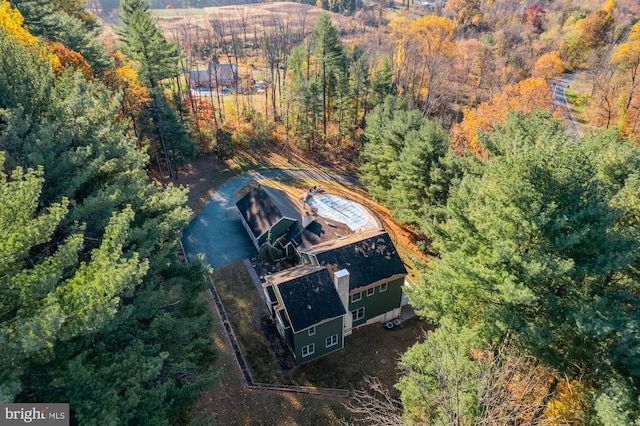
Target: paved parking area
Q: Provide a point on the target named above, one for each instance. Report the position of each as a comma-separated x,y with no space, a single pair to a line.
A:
217,232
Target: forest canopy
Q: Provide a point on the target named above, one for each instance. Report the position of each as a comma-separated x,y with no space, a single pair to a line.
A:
445,112
91,280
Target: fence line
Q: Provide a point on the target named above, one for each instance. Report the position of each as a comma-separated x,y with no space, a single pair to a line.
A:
244,366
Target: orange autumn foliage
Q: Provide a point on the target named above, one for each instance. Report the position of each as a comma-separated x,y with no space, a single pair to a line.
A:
12,24
528,95
124,79
548,66
69,58
202,112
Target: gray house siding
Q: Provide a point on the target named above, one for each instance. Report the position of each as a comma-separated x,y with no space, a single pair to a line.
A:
379,302
319,339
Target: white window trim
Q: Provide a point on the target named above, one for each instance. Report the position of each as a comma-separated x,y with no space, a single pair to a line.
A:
331,341
383,287
312,330
371,291
358,318
310,348
356,297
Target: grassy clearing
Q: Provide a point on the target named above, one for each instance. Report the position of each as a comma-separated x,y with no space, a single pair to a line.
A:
178,12
245,309
206,173
577,98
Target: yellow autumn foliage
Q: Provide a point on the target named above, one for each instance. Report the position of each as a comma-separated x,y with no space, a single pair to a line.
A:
568,406
528,95
548,66
11,22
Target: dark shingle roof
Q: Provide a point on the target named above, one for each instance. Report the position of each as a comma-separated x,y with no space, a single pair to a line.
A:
225,72
263,207
369,256
308,295
283,203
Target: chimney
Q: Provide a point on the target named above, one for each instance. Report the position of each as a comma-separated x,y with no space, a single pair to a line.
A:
341,281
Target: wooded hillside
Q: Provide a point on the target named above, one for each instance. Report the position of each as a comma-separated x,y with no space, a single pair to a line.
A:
95,307
443,109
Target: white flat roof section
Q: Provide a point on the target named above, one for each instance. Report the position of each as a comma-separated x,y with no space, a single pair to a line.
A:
352,214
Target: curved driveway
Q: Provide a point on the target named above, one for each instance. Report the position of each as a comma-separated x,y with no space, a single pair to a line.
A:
217,232
559,100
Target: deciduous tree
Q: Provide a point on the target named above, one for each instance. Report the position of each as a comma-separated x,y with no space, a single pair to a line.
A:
528,95
548,66
627,57
424,48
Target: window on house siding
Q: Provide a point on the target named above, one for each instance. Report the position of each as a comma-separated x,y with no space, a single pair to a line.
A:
356,297
312,330
358,314
383,287
309,349
332,340
370,291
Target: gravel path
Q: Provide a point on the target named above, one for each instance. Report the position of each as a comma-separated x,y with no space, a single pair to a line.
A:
217,232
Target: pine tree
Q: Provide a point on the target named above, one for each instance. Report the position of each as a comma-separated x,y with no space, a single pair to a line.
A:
68,23
540,242
144,43
95,307
156,60
331,62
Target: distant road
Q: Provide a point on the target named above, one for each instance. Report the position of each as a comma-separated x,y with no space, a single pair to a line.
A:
559,99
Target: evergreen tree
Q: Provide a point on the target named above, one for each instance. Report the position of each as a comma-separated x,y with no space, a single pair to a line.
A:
331,62
95,307
69,23
156,60
144,43
409,166
383,81
541,242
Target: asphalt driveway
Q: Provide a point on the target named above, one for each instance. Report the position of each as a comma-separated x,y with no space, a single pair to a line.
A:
559,100
217,232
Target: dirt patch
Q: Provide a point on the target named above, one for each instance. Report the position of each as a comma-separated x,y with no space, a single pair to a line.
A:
206,172
372,350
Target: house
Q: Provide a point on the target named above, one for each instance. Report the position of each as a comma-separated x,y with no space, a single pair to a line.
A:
307,311
265,210
342,284
216,75
347,279
372,270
